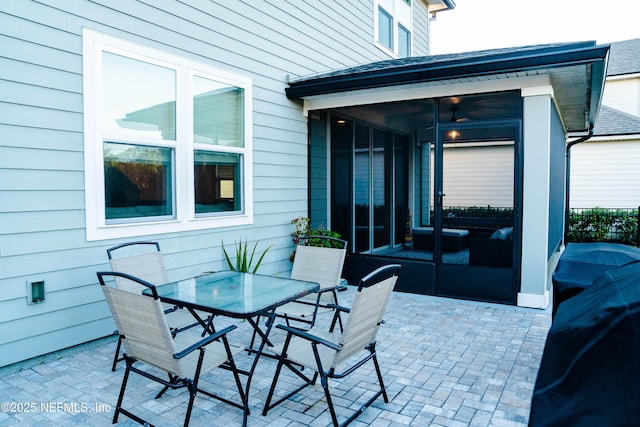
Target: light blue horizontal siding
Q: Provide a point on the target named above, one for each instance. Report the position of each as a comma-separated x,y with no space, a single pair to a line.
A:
271,136
71,263
42,97
14,70
31,346
14,135
40,159
290,165
54,231
19,179
25,50
42,233
29,116
78,299
38,12
51,35
19,201
420,29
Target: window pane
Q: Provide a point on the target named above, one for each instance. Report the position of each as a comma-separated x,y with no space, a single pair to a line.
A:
385,28
139,98
218,113
401,147
361,177
138,181
380,189
404,42
217,182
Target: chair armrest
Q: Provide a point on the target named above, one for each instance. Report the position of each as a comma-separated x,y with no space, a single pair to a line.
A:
205,341
337,288
339,308
309,337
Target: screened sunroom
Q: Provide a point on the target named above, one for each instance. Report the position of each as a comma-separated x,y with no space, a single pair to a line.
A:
453,165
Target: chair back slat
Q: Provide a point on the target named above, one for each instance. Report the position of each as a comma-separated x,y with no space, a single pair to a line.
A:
318,264
148,267
322,352
368,307
142,321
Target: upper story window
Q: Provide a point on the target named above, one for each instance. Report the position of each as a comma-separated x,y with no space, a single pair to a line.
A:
393,23
168,142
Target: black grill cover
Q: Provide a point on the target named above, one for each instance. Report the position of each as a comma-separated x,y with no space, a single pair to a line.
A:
590,369
581,263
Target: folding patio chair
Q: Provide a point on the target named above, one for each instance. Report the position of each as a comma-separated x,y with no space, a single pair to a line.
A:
144,261
323,352
141,319
321,263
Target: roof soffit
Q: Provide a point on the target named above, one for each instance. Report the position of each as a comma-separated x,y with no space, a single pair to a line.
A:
434,6
427,90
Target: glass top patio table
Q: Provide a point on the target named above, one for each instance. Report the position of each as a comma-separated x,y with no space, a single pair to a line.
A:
237,295
234,294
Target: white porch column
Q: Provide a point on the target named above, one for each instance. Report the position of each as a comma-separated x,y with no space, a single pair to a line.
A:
534,289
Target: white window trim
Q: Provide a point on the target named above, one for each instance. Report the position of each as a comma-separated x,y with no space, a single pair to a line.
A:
94,43
394,11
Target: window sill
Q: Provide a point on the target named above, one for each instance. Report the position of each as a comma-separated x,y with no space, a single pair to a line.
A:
386,50
116,231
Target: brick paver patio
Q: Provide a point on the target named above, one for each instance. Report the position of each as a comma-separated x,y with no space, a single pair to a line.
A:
445,363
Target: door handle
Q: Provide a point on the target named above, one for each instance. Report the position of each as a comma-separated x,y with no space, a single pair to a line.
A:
440,197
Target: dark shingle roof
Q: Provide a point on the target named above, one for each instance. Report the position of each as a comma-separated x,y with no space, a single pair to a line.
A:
624,57
466,63
429,60
612,122
576,71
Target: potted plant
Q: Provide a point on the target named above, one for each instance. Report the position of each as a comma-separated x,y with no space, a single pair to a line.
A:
244,260
303,228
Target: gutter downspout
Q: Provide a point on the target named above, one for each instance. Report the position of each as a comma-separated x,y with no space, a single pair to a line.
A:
567,181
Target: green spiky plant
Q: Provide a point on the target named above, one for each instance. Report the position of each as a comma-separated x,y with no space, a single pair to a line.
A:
244,259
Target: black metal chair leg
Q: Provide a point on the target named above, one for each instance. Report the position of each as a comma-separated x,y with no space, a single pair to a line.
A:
172,380
193,389
234,369
121,395
116,359
253,335
380,380
192,386
273,387
324,381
